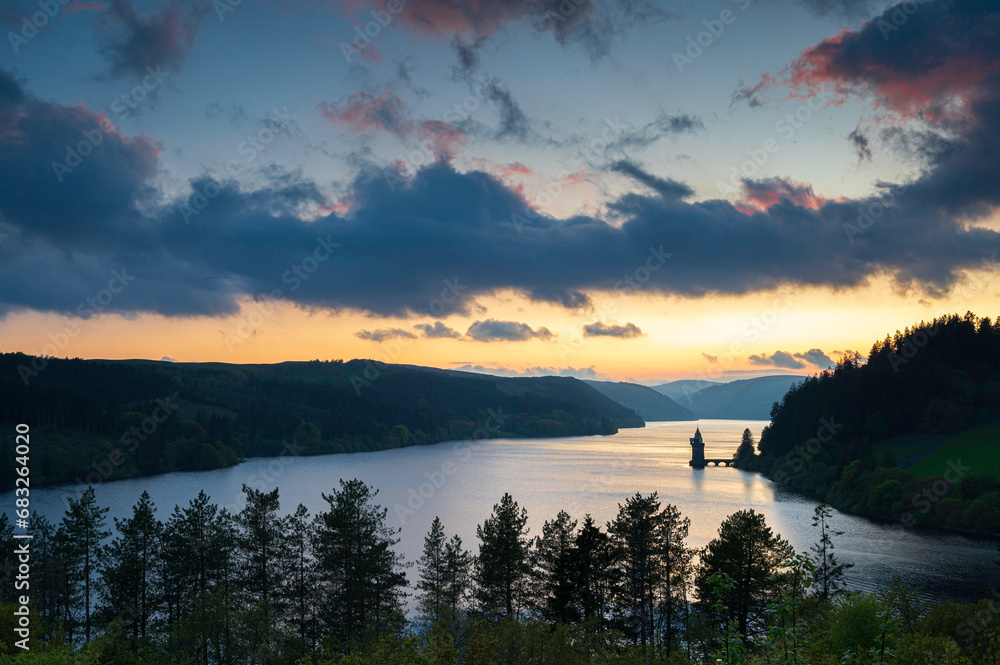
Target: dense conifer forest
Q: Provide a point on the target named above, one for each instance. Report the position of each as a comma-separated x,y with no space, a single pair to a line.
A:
200,585
909,434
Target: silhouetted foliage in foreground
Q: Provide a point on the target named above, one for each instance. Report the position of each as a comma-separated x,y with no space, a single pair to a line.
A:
207,586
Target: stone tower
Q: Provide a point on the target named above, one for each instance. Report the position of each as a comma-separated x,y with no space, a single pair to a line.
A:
697,450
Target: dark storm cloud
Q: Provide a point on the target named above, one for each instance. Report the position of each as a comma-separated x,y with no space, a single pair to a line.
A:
404,239
927,60
939,62
135,43
598,329
492,330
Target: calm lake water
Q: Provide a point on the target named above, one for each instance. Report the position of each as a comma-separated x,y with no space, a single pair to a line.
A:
461,481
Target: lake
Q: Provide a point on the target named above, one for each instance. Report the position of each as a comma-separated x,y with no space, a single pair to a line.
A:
461,481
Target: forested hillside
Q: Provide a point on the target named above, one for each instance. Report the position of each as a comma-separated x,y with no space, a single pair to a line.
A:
911,433
93,420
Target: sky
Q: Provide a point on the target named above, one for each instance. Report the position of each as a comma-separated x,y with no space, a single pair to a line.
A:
615,189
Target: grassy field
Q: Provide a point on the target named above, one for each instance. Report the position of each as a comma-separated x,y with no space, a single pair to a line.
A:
978,448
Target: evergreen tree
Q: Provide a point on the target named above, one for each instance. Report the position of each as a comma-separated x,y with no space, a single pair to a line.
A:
47,572
654,565
444,576
752,556
82,530
362,576
594,566
433,574
259,544
129,570
197,552
828,575
458,569
745,452
556,590
259,550
301,570
503,565
675,564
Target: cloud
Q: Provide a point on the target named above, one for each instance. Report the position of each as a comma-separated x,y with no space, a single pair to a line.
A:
777,359
598,329
664,125
388,112
362,111
860,144
577,373
134,43
760,195
816,357
402,237
514,122
788,360
667,188
492,330
592,26
438,331
927,60
382,334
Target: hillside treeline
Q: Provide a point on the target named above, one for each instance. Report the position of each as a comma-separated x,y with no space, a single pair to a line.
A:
99,420
925,383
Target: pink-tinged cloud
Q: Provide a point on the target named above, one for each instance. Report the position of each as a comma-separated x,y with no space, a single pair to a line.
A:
478,18
760,195
574,179
917,60
445,140
364,111
506,172
388,112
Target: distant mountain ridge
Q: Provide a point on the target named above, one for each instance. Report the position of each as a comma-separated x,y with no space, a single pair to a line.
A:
679,390
744,399
647,402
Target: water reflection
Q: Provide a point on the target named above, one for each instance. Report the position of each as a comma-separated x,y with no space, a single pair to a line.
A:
462,481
